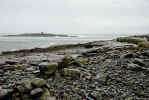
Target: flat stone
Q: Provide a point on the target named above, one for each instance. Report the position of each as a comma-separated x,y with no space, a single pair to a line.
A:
2,63
36,71
128,55
134,67
36,92
34,63
145,53
101,77
30,69
139,62
44,64
11,62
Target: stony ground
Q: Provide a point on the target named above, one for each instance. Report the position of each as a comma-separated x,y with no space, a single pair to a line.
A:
101,70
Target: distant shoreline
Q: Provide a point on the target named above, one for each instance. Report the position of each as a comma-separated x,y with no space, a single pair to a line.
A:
47,49
38,35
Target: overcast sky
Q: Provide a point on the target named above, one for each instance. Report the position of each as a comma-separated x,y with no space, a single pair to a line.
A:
74,16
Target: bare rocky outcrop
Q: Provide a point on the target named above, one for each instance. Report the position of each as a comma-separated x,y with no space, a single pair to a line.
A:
106,70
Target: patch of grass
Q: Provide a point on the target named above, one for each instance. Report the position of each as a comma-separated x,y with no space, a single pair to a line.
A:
143,44
143,36
140,42
129,40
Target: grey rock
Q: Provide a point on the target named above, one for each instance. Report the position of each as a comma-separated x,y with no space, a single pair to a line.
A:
27,84
43,64
34,63
145,53
95,95
46,96
5,93
128,55
2,63
11,62
21,89
30,69
36,92
102,77
36,71
88,46
134,67
38,82
146,62
139,62
76,63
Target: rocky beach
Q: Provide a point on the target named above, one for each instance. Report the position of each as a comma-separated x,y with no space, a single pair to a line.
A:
101,70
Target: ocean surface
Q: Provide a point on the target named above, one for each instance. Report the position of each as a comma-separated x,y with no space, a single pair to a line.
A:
16,43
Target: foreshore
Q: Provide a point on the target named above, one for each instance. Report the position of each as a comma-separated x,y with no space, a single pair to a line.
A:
100,70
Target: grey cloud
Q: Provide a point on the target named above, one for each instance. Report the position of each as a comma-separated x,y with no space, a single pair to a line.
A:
74,16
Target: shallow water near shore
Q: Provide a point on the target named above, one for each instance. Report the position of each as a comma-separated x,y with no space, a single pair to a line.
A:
16,43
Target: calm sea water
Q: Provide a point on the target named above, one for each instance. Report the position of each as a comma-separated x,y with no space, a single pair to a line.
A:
16,43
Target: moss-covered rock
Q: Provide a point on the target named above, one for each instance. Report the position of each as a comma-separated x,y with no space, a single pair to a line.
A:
143,44
17,67
46,96
25,86
82,60
65,62
47,69
74,73
51,69
38,82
